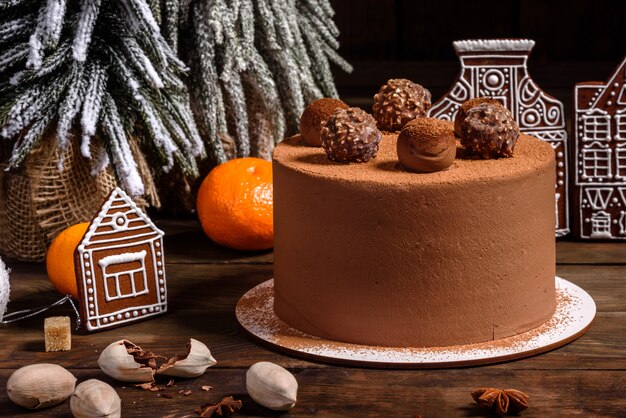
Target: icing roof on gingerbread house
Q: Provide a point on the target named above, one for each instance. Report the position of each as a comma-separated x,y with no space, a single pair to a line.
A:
118,216
610,94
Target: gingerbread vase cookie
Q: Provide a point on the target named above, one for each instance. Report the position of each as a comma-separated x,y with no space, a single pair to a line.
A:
599,158
120,266
496,68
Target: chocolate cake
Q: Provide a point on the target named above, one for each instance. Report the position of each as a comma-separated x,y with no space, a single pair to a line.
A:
372,253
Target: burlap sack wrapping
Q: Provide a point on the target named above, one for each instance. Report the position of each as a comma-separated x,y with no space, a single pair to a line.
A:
39,200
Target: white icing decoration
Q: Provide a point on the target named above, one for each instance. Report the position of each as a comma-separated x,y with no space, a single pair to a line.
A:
128,238
490,45
137,277
537,113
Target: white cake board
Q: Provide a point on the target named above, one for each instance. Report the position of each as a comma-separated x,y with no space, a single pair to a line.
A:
574,313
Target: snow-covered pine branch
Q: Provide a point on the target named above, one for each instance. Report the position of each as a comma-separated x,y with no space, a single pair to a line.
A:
80,69
86,21
274,52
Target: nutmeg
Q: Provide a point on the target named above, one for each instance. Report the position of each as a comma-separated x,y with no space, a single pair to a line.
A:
467,105
398,102
350,135
489,131
313,116
426,145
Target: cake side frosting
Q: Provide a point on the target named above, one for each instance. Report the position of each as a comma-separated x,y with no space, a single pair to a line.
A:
372,254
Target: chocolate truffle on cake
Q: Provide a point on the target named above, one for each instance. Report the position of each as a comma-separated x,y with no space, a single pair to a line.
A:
467,105
426,145
489,131
350,135
313,116
398,102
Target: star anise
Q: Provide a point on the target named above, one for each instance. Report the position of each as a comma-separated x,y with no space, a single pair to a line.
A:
501,401
226,407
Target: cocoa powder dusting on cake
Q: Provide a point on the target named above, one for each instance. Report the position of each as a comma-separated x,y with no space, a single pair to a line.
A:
426,145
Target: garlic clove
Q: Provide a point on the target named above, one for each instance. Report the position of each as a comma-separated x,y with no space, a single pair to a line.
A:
120,361
40,385
272,386
192,364
94,398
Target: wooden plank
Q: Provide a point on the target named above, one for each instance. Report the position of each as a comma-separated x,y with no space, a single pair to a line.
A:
586,252
185,242
202,301
358,392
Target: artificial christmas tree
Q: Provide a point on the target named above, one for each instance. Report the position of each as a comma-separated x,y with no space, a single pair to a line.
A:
99,78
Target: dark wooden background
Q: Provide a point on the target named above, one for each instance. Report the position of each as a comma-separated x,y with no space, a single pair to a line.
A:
383,39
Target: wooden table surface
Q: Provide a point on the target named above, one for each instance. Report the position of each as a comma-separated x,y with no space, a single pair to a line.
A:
585,378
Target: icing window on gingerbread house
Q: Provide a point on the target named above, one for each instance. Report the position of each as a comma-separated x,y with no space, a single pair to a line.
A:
601,225
596,164
124,275
596,126
620,156
620,125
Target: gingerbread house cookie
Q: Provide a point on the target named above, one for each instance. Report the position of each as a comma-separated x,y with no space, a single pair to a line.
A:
497,68
120,266
599,191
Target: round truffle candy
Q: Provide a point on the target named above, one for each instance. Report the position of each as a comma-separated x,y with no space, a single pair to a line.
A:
489,131
467,105
426,145
350,135
313,116
398,102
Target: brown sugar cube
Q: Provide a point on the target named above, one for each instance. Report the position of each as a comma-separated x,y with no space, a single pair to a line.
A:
58,333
